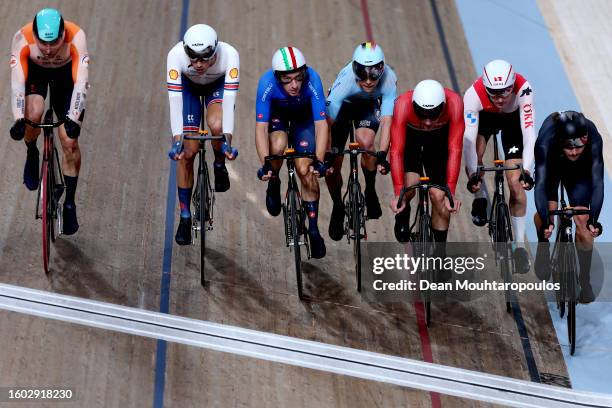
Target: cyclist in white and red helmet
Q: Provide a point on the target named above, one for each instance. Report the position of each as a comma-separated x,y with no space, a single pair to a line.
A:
291,102
501,100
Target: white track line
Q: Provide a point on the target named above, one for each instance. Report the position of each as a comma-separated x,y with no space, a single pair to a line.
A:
288,350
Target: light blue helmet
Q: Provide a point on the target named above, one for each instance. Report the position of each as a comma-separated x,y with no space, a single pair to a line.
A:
48,25
368,61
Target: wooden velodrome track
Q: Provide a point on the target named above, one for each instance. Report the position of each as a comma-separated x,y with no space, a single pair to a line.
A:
121,198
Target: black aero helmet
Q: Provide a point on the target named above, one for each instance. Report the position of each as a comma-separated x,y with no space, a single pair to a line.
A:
570,128
48,25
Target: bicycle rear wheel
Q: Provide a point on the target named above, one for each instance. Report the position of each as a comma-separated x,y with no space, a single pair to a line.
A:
569,263
425,242
47,219
294,220
357,215
502,236
204,197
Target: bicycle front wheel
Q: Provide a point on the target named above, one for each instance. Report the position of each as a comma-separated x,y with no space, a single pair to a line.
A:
569,271
425,242
357,216
47,219
296,233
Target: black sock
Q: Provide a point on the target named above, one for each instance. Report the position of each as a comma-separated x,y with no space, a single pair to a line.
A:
71,184
439,235
541,236
404,215
584,260
31,146
370,180
219,158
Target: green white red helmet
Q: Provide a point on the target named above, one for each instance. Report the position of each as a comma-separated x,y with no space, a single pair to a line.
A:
287,60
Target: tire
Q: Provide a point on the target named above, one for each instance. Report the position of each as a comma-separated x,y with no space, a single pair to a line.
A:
425,243
295,232
357,211
46,215
569,263
502,236
204,186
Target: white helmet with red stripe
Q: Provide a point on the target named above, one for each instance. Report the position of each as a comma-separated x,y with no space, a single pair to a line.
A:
287,60
498,74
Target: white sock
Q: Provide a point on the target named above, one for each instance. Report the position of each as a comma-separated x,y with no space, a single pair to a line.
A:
518,225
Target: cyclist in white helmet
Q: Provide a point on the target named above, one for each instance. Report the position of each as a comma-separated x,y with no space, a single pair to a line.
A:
501,100
362,96
201,67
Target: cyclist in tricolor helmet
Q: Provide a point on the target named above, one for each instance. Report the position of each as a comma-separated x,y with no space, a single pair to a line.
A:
49,55
202,76
362,98
501,101
569,151
290,109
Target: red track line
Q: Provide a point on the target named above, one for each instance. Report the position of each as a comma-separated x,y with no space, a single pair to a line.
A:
366,20
426,347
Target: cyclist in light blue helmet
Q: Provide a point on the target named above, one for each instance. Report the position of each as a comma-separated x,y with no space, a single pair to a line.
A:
48,25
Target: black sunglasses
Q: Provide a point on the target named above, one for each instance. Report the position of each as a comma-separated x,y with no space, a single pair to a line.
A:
373,72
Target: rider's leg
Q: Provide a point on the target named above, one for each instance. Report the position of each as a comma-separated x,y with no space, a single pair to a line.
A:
339,135
278,143
214,118
518,201
35,105
402,219
365,136
542,259
579,195
481,197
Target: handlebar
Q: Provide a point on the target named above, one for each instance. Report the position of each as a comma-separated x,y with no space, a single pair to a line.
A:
569,212
202,135
51,125
290,155
426,185
353,149
499,168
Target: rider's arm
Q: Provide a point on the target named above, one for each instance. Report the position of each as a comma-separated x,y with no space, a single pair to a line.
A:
543,143
20,52
597,172
471,112
527,114
175,91
80,71
340,90
455,140
385,132
398,141
317,101
262,115
230,89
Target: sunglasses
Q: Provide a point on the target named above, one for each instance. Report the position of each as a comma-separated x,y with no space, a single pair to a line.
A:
372,73
500,92
206,55
285,79
576,143
431,114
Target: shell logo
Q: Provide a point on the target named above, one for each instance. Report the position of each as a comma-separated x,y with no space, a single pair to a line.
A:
173,74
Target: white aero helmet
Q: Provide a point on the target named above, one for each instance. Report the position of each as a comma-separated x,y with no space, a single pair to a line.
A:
200,42
428,99
498,76
368,61
287,60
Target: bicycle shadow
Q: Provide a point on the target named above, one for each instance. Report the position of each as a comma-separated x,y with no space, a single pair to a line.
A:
74,273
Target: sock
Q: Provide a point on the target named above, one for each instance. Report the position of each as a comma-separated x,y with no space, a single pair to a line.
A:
439,235
584,260
370,180
219,158
541,236
71,184
31,147
184,195
404,215
518,225
312,212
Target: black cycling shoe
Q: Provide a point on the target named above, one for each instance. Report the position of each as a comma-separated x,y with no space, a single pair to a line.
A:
183,232
402,228
372,205
542,261
317,245
336,222
31,171
70,224
479,211
586,294
222,181
521,260
273,198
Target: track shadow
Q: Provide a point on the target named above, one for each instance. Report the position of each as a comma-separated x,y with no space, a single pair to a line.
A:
74,273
